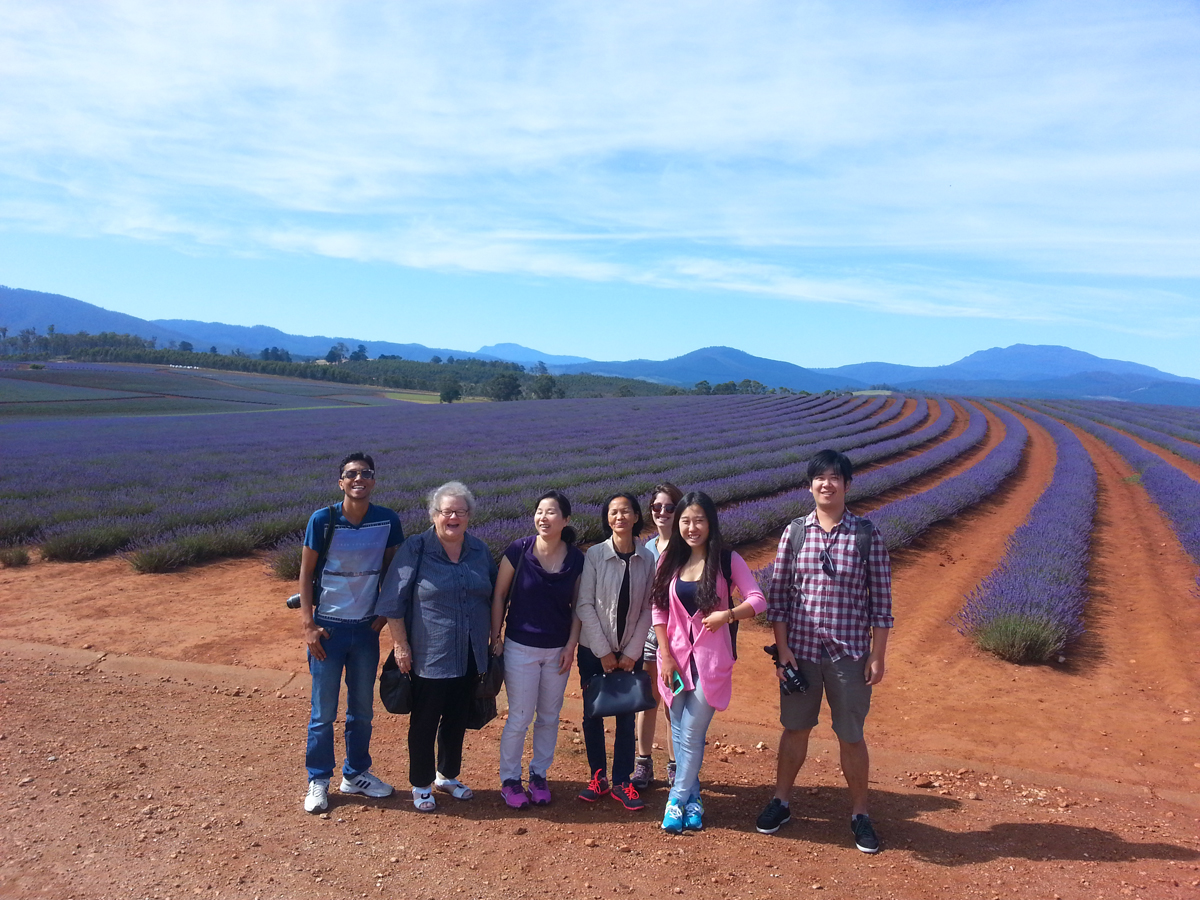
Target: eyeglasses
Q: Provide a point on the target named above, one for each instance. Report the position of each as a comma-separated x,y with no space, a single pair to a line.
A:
827,563
453,513
662,508
365,474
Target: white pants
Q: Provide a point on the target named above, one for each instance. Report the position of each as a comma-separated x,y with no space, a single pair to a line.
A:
533,685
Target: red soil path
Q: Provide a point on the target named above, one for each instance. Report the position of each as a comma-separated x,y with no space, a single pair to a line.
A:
1087,773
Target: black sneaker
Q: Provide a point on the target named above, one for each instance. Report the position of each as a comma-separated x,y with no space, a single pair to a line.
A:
864,835
596,788
626,794
773,816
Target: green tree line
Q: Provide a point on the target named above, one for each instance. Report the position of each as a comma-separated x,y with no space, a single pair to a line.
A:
451,378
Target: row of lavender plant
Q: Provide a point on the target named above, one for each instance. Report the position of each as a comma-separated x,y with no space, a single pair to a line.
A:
1140,414
104,479
125,510
1177,495
756,519
901,521
908,517
747,479
1031,605
1147,432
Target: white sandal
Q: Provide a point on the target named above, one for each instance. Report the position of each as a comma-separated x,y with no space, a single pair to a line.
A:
454,788
423,799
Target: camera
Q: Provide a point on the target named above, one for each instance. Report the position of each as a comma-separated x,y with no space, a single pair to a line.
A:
793,681
293,602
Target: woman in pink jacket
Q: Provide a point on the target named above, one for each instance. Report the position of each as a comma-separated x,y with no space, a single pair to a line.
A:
692,611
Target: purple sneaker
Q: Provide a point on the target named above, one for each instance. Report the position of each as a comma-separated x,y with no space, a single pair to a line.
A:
514,794
539,791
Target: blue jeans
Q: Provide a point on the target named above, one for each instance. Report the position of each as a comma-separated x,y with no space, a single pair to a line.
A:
352,647
690,718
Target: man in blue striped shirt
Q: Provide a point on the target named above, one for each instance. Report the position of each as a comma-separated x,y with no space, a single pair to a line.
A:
341,629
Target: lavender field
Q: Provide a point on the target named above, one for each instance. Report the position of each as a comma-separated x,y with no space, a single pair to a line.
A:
166,492
169,491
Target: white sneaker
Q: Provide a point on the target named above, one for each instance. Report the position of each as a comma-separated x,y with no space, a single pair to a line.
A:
366,783
317,798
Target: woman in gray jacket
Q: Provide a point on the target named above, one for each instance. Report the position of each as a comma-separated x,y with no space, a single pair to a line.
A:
614,612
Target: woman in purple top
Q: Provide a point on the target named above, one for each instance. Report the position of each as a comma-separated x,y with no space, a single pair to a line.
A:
538,580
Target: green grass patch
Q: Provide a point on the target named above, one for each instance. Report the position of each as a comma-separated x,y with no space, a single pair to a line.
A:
1021,639
413,396
14,557
1135,478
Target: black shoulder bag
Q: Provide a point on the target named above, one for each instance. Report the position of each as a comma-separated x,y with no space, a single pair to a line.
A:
395,687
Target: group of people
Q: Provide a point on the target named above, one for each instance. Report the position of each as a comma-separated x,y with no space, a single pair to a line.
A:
666,605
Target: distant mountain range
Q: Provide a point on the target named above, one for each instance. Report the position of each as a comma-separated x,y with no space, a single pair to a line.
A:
1022,370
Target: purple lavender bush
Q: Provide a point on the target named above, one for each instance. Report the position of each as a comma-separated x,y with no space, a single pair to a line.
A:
903,520
1031,605
756,519
1175,494
1131,425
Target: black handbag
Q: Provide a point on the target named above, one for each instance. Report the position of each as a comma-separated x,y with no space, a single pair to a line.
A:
492,680
483,707
483,710
617,693
395,687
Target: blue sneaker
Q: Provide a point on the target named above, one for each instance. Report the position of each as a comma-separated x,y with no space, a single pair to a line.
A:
672,822
693,816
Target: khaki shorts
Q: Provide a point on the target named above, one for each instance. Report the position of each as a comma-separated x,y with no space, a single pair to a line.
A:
844,682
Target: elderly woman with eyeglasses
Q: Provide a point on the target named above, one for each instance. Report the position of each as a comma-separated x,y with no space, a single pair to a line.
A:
438,603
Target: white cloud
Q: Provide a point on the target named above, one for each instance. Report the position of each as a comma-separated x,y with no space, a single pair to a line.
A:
710,145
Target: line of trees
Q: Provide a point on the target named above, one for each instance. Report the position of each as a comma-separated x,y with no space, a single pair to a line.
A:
451,378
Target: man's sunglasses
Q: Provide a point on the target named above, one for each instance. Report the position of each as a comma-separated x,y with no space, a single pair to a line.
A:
662,508
365,474
827,563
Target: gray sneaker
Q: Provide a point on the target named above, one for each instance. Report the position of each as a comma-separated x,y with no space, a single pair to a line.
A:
643,772
317,798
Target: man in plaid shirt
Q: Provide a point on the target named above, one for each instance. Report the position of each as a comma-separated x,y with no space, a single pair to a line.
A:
832,613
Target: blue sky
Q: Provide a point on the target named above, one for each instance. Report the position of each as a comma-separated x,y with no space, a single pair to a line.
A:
823,183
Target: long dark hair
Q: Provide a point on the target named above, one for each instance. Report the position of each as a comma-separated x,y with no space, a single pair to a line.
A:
678,553
564,506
